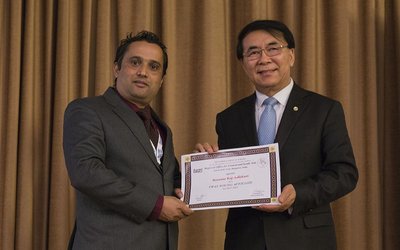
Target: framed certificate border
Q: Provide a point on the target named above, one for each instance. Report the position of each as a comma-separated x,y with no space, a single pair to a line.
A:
271,149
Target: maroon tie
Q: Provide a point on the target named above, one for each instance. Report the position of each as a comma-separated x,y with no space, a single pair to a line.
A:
151,128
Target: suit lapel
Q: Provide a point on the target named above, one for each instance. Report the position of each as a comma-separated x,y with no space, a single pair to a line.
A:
294,108
248,127
167,144
132,121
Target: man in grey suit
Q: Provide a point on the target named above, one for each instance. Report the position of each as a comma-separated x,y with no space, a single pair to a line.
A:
316,156
120,157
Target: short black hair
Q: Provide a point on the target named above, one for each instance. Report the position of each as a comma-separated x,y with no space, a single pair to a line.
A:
143,35
273,27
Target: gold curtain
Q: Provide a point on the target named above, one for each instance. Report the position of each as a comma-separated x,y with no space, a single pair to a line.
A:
52,52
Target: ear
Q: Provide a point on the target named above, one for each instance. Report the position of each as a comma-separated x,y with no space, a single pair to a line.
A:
243,65
162,81
116,70
292,57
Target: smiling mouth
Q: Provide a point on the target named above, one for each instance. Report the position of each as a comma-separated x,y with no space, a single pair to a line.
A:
269,71
140,83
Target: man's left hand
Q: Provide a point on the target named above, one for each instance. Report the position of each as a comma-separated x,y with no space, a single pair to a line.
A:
287,198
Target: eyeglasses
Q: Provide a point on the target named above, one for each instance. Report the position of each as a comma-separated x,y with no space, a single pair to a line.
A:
271,50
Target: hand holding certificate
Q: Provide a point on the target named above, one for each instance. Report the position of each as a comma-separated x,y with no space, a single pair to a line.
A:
238,177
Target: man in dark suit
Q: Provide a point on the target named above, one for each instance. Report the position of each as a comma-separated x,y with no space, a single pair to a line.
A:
316,156
120,157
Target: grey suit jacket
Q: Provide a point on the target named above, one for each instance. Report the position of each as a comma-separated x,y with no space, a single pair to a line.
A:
113,168
316,156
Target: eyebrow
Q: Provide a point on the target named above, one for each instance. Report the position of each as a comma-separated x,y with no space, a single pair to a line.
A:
139,57
272,43
154,61
134,57
256,47
252,47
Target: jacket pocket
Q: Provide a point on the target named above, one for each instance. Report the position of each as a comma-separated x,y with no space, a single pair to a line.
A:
318,220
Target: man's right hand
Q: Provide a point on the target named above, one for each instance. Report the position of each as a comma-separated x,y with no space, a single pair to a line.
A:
174,209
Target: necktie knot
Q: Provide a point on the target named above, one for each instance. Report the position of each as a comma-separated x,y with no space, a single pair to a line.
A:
144,114
270,101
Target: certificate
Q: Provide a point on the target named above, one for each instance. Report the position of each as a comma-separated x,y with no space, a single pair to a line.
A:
238,177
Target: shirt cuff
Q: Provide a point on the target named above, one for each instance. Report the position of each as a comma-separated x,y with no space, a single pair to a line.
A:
155,214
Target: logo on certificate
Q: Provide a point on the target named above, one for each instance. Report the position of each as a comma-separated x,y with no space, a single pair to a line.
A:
197,171
262,163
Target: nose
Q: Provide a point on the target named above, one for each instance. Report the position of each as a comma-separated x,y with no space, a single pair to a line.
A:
142,71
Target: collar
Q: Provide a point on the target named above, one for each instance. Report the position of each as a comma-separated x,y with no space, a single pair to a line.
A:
133,106
282,96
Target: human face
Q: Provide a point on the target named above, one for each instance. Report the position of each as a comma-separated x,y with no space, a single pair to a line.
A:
140,76
269,74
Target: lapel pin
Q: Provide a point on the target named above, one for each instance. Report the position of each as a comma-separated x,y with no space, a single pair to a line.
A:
295,108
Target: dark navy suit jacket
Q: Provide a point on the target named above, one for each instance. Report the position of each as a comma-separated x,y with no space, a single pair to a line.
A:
316,156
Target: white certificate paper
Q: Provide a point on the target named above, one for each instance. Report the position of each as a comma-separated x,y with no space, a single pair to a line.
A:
238,177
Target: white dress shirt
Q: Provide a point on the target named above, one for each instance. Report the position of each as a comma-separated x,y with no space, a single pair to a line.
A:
282,98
